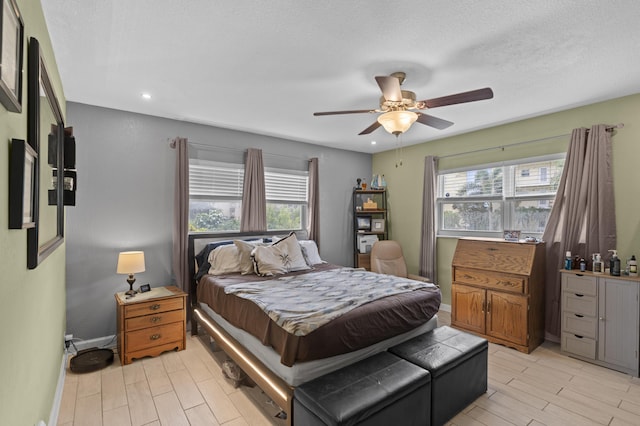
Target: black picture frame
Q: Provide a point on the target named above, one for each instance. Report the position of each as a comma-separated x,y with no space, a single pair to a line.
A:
23,161
11,55
145,288
43,107
364,223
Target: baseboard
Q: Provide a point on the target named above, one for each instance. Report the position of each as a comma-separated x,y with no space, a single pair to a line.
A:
57,398
99,342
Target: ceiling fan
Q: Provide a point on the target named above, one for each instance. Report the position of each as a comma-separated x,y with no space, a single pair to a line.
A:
397,106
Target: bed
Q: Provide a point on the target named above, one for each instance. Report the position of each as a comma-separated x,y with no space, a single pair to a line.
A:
280,354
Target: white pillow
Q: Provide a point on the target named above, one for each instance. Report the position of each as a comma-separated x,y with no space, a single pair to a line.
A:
310,252
245,249
280,257
224,260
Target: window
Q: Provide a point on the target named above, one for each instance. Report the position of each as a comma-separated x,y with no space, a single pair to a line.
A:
287,201
215,196
486,200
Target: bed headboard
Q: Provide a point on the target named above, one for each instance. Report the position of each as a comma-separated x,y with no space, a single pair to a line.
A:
198,240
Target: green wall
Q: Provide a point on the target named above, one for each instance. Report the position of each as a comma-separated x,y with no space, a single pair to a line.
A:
405,182
32,306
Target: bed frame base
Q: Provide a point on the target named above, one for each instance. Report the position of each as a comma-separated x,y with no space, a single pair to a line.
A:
277,389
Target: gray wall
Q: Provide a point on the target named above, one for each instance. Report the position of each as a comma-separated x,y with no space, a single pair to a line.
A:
125,202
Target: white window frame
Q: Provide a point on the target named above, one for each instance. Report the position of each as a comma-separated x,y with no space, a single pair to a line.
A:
508,197
207,185
287,186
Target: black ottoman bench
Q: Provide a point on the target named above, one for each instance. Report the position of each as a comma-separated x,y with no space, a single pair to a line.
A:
457,362
381,390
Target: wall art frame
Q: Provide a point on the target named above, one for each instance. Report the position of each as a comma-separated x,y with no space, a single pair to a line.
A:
45,127
23,162
11,55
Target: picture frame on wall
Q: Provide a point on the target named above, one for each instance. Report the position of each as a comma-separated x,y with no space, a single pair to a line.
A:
22,180
11,55
377,225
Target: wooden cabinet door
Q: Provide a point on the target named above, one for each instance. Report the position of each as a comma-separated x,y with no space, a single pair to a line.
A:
618,323
467,308
507,316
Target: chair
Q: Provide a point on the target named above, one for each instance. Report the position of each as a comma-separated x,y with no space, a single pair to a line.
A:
387,258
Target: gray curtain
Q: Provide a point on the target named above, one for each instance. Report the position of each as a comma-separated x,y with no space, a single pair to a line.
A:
582,219
314,202
254,200
181,214
428,267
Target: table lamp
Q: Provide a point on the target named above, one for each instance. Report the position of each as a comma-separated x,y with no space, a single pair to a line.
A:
130,262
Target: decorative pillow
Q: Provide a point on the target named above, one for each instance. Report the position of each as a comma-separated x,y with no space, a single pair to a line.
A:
224,260
202,258
280,257
245,260
310,252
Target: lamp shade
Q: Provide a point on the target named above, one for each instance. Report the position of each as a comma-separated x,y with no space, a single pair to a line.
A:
396,122
130,262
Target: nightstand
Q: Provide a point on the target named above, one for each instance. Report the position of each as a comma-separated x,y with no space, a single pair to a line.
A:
151,323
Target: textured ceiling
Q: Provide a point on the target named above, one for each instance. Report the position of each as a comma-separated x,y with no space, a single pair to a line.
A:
265,67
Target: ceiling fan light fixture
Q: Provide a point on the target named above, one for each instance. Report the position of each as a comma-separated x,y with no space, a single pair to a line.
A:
397,122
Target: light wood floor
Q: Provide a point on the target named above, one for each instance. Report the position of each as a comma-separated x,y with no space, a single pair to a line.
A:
187,388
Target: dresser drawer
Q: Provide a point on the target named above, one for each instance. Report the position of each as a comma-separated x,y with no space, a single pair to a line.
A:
161,318
582,346
153,307
579,324
154,336
490,280
579,284
579,303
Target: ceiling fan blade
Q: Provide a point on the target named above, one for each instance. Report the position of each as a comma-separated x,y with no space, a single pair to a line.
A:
432,121
370,129
390,87
354,111
459,98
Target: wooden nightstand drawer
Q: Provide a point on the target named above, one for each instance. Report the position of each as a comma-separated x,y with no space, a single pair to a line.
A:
153,320
153,307
488,279
154,336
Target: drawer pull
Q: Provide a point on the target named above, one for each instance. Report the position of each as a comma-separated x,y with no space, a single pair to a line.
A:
579,316
155,307
578,336
154,337
579,295
156,319
492,249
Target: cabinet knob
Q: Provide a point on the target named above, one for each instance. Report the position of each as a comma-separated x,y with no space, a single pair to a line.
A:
601,318
155,307
154,337
156,319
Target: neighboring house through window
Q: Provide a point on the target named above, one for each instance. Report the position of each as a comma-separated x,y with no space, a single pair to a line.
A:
485,200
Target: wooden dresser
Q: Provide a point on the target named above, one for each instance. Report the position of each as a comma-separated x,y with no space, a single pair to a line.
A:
148,326
497,291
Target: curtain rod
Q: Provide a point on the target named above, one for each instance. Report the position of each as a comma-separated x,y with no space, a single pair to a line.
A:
216,147
502,147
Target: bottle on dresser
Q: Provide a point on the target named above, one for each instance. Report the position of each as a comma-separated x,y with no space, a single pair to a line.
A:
597,264
633,266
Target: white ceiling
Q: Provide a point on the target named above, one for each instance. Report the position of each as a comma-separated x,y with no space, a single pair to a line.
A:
266,66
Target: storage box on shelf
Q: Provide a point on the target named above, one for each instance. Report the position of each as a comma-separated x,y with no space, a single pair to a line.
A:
600,319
